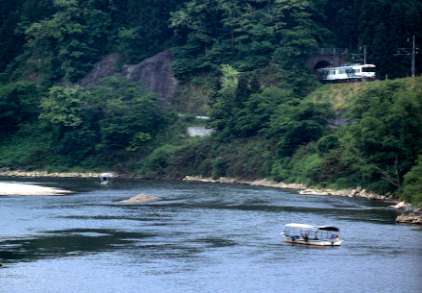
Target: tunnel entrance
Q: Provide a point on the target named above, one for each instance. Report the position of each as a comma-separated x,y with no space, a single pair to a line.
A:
321,64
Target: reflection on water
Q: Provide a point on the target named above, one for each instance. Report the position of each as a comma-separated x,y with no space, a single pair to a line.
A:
65,243
199,238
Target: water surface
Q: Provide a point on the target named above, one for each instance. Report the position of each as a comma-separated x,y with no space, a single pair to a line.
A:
199,238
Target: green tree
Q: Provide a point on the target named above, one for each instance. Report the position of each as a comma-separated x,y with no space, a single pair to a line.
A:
18,105
130,116
412,188
296,124
242,33
385,136
71,40
70,114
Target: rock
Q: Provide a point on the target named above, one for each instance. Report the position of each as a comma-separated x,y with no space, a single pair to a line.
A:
402,206
155,74
107,66
410,218
139,199
309,191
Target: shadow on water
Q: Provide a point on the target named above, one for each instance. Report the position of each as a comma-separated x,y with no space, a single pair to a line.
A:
214,242
348,213
78,242
375,214
67,243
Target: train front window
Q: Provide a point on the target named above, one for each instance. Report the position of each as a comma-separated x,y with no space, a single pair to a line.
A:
368,69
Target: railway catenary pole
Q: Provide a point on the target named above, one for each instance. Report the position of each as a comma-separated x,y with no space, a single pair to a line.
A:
413,56
365,52
412,52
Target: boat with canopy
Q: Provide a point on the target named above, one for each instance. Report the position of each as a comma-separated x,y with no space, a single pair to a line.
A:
312,235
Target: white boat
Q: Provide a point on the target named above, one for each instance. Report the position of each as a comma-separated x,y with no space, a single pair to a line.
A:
312,235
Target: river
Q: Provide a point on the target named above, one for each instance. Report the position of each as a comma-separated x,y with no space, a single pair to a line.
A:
199,238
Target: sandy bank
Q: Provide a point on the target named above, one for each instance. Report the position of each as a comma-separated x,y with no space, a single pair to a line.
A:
11,188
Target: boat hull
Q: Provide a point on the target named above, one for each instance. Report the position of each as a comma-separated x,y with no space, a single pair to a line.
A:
319,243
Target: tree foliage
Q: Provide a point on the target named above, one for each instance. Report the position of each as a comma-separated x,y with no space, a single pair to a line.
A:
242,33
412,190
103,121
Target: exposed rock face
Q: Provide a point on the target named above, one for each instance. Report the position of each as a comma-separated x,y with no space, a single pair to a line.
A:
155,74
139,199
105,67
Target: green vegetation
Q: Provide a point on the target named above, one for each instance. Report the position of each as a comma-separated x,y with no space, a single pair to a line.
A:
412,190
239,61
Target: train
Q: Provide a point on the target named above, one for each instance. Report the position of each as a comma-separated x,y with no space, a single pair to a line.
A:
354,72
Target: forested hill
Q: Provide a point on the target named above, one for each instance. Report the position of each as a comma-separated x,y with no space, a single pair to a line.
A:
61,39
242,62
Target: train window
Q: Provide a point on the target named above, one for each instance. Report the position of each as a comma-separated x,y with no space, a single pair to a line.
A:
342,71
357,70
368,69
332,72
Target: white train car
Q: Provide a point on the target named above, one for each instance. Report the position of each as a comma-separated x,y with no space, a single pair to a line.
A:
355,72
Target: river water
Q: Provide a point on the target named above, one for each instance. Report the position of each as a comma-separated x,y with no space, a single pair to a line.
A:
199,238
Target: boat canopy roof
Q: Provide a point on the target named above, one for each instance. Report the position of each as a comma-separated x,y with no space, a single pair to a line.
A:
310,227
329,228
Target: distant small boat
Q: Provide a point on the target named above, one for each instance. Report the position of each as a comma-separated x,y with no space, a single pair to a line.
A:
312,235
105,178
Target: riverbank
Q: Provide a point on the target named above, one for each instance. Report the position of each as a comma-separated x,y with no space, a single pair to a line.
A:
302,189
46,174
406,213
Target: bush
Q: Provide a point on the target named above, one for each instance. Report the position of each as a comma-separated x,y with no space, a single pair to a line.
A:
412,188
18,104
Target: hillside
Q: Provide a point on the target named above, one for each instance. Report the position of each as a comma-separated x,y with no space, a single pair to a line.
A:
340,135
99,84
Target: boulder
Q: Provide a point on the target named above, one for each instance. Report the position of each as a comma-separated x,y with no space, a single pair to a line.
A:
402,206
139,199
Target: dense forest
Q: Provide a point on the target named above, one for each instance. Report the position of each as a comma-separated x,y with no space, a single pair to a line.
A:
272,118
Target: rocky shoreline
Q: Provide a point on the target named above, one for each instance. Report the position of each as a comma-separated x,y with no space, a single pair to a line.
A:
302,189
406,213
